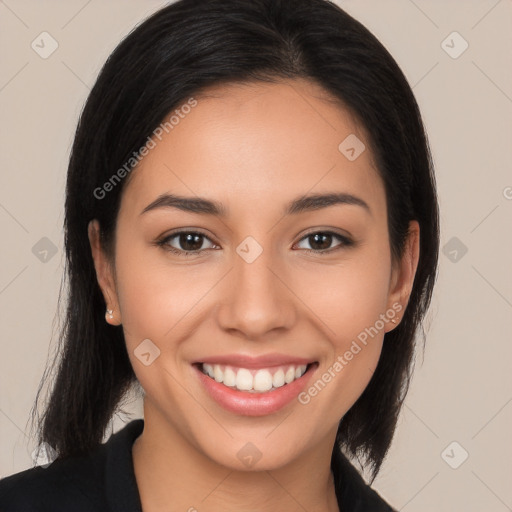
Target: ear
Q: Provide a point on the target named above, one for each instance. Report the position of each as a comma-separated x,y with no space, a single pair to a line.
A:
402,275
104,274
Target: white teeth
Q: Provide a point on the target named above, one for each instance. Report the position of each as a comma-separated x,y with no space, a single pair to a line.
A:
290,375
278,379
255,381
244,380
300,371
208,369
229,377
262,381
218,374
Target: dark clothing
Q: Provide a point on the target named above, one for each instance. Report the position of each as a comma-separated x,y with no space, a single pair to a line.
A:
104,481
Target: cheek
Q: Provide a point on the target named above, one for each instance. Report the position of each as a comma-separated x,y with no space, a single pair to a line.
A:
153,296
348,301
154,300
346,298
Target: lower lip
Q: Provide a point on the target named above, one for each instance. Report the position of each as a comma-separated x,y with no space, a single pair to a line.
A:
254,404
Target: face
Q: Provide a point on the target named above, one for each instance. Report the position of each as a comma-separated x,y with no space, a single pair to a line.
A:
284,301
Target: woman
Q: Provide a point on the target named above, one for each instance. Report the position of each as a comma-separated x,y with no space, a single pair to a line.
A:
246,194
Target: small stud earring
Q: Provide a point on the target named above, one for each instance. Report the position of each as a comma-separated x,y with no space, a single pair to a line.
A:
110,313
394,320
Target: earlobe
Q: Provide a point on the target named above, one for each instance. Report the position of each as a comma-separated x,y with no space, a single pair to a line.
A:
104,274
403,276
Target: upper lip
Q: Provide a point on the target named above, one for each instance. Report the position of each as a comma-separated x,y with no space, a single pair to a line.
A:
263,361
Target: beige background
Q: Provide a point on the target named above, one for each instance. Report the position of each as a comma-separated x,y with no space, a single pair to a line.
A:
462,389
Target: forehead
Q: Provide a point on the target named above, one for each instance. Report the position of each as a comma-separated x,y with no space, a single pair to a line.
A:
256,144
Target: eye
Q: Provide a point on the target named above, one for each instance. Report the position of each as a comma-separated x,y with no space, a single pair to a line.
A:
191,242
321,241
188,242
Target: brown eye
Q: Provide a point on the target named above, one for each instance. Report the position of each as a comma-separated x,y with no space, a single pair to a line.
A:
184,242
321,241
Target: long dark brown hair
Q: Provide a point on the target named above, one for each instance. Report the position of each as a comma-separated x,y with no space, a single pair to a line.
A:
180,50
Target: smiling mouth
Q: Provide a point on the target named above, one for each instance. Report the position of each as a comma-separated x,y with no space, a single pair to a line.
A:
261,380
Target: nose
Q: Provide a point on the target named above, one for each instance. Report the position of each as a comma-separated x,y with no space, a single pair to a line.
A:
256,299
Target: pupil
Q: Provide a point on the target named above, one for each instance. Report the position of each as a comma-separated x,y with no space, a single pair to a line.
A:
325,237
189,241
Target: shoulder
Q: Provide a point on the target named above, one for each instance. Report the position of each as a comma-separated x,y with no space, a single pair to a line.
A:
86,483
72,484
353,492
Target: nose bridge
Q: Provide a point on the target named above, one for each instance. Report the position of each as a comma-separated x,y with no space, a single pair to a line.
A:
255,300
252,270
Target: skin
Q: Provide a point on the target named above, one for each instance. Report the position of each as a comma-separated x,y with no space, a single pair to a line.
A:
254,148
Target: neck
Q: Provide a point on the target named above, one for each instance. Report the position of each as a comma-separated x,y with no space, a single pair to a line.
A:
173,475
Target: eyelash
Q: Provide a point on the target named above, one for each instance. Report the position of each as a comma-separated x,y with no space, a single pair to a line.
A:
163,243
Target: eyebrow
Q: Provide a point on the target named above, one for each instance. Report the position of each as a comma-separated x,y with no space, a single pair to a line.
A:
301,204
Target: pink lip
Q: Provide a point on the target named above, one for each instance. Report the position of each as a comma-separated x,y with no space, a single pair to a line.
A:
253,404
264,361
